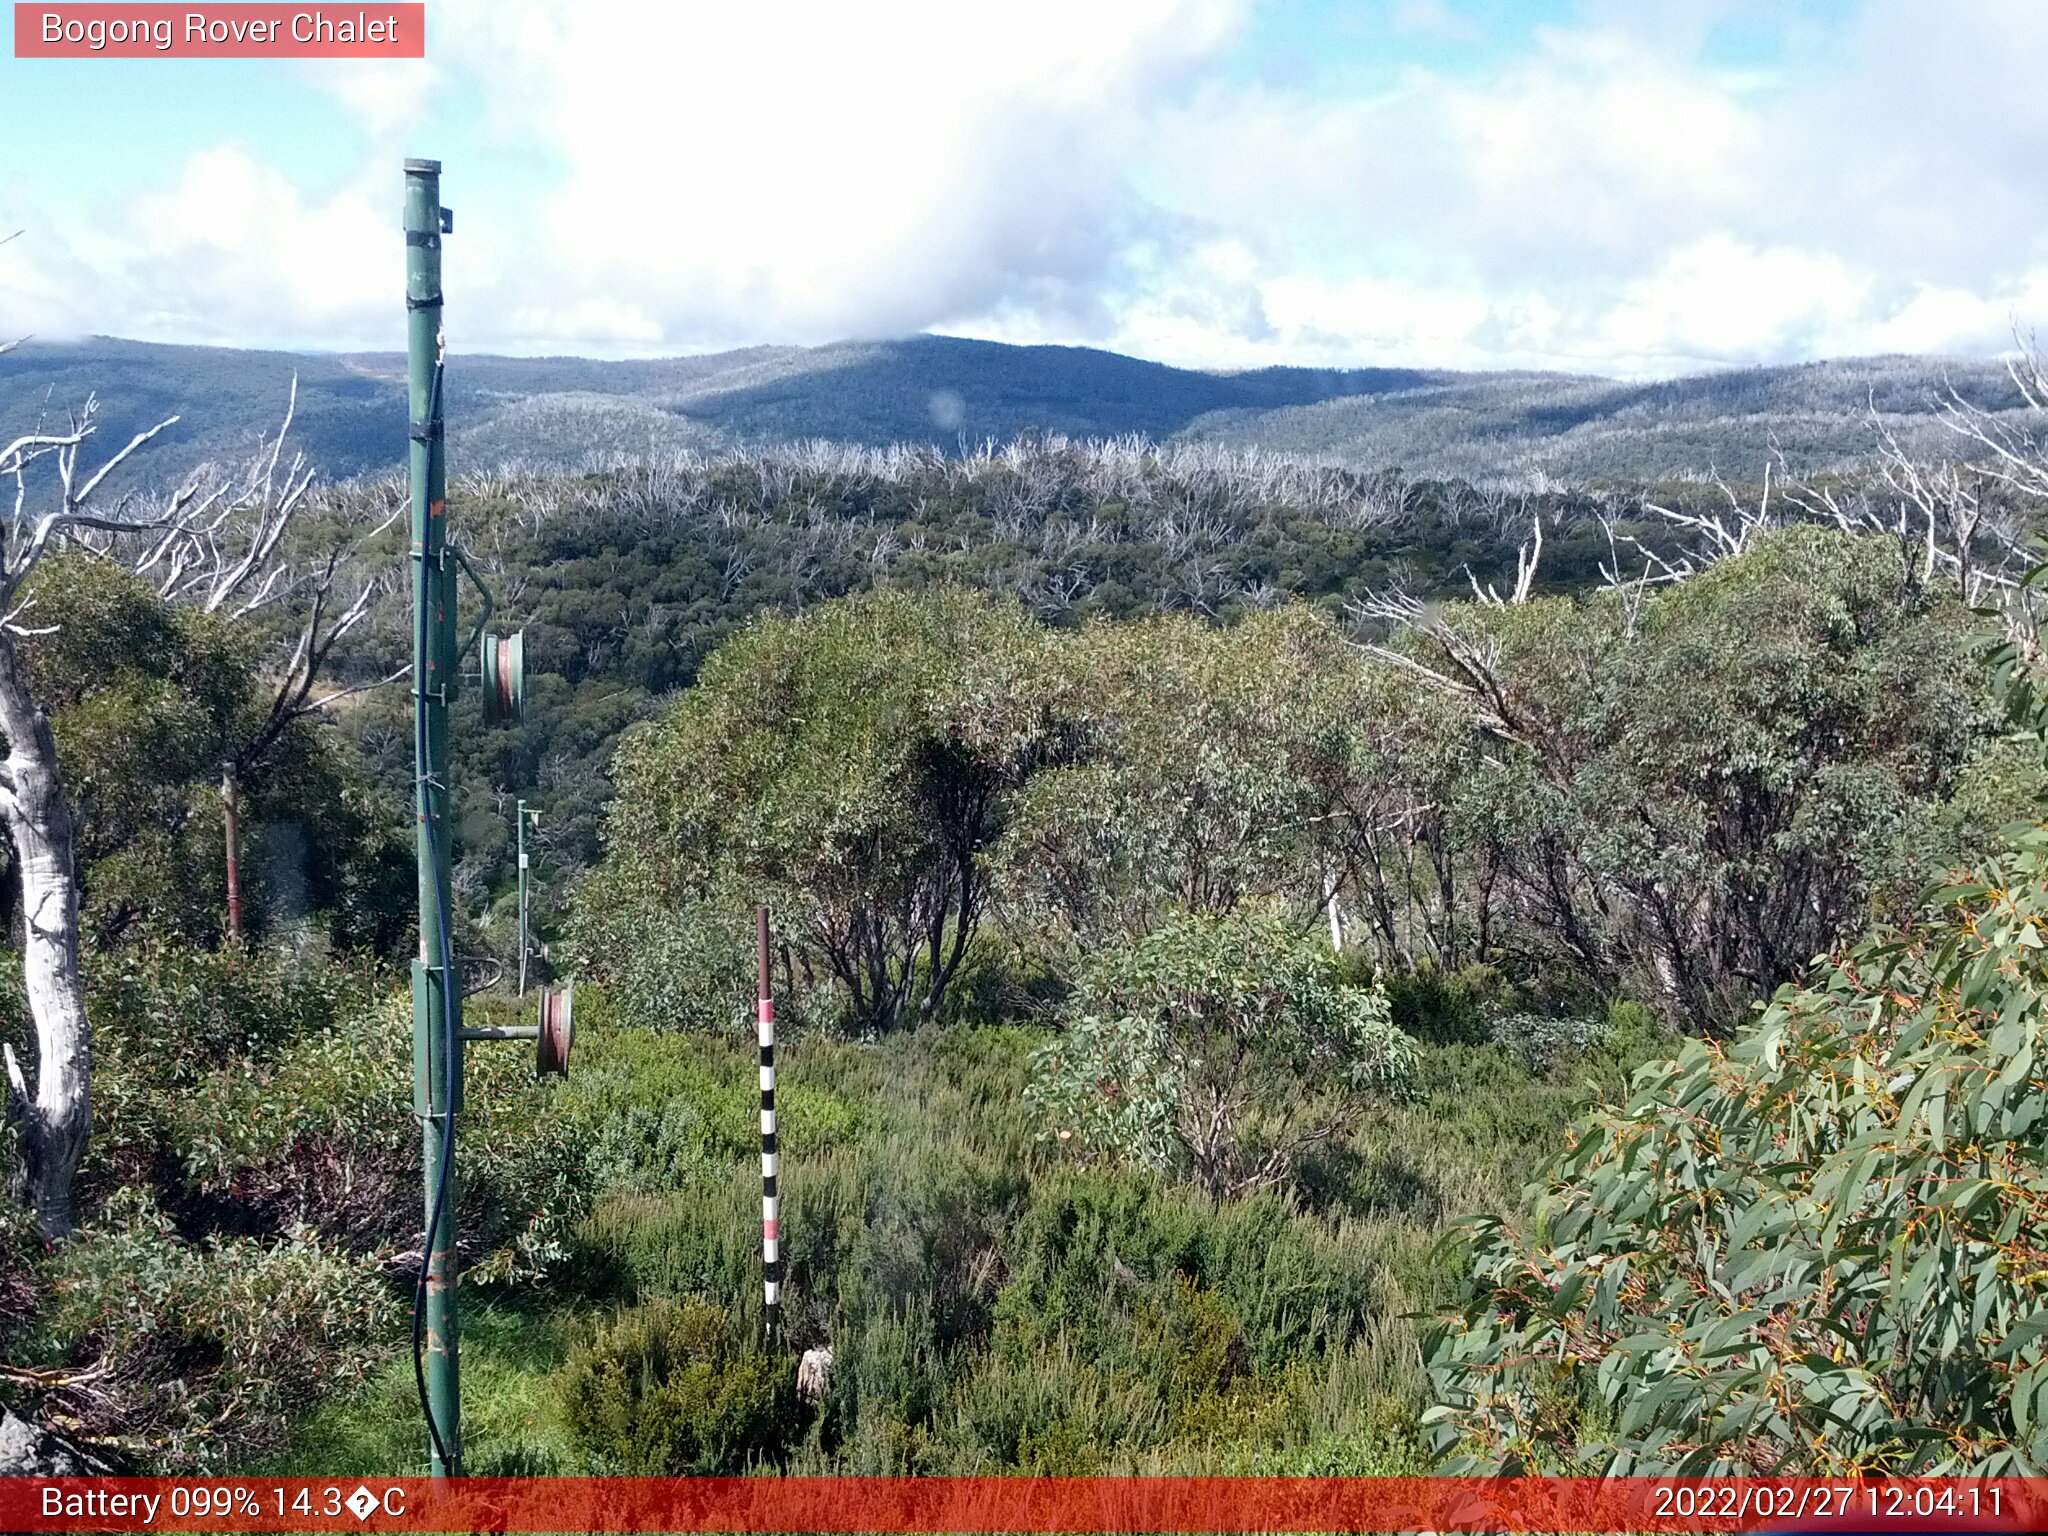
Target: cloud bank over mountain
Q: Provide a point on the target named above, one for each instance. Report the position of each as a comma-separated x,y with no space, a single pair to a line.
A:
1629,190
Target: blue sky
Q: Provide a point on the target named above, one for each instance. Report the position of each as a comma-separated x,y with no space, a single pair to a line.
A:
1637,187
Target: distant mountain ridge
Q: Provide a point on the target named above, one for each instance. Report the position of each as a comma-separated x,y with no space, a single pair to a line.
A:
954,393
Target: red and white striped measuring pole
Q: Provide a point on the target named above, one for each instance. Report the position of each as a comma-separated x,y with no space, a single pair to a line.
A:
771,1235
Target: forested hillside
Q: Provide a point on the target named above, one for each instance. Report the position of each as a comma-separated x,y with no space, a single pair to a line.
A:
625,581
1202,881
1542,429
956,394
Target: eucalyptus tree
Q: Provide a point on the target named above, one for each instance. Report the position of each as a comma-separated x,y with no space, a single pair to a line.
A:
218,540
1209,769
1812,1250
851,766
1695,793
238,548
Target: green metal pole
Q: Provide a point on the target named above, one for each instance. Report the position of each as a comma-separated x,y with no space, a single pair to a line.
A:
522,898
436,989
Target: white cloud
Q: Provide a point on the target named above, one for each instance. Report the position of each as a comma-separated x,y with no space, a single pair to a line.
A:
1719,300
1589,145
1959,320
1611,200
659,177
797,172
231,252
389,97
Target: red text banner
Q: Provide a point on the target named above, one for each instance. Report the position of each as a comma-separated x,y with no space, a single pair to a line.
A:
989,1504
231,31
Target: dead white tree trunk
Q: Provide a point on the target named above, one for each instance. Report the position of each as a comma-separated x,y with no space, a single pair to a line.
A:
56,1116
1528,556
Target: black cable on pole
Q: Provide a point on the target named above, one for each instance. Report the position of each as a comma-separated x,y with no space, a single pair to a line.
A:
448,1028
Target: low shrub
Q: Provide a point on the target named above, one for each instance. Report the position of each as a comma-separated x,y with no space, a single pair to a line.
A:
1171,1385
190,1356
666,1389
167,1017
1093,1241
1544,1043
661,1110
1448,1007
663,968
991,1306
176,1012
1221,1047
325,1133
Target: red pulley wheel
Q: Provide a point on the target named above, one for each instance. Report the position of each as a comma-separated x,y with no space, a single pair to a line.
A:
557,1031
503,663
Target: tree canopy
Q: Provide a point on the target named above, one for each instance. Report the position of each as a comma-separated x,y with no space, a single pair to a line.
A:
1814,1248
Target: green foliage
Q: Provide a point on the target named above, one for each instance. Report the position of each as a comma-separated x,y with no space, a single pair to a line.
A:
660,1111
142,700
253,1184
511,1421
680,965
993,1308
1222,1047
1291,1288
1203,758
21,1296
1544,1041
846,767
667,1390
251,1092
166,1017
1698,797
1449,1008
192,1317
1001,979
948,803
1682,798
1180,1371
1074,532
1812,1250
147,703
325,1132
174,1013
200,1350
